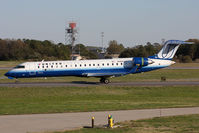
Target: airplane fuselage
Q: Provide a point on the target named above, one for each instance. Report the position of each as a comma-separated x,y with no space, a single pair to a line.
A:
83,68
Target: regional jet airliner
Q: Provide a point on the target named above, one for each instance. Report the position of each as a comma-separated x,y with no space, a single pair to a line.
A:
101,68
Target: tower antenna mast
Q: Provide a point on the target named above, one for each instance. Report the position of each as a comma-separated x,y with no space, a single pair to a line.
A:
71,33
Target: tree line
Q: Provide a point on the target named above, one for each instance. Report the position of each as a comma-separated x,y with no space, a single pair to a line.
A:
26,49
185,53
38,50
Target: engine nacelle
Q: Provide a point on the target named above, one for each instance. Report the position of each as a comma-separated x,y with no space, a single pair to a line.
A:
141,61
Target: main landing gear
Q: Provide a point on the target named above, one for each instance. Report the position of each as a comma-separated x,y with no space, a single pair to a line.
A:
104,80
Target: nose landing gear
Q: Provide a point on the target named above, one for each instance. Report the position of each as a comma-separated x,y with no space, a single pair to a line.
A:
16,80
104,80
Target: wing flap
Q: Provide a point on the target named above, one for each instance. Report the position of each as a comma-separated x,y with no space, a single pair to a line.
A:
103,74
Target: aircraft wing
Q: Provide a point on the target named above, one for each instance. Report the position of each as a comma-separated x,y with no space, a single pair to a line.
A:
103,74
115,74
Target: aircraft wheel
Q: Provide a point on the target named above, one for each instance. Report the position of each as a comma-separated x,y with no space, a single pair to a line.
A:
16,81
106,81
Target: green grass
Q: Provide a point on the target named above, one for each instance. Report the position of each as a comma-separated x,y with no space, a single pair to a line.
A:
171,75
186,65
10,63
30,100
174,124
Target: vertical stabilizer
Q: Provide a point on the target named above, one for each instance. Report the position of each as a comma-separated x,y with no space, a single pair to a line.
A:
169,49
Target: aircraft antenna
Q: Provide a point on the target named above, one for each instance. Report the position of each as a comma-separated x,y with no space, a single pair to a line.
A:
102,36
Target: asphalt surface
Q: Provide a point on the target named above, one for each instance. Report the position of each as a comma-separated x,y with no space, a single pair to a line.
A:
85,84
67,121
5,68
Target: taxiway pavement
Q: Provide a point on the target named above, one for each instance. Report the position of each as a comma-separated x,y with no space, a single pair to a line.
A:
85,84
66,121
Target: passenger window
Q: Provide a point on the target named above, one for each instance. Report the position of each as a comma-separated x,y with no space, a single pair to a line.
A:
112,64
107,64
85,65
38,66
103,64
66,65
117,64
89,64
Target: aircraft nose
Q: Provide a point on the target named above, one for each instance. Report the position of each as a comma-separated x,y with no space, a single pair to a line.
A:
7,74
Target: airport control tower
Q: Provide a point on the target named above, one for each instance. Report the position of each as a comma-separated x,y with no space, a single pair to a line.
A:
71,34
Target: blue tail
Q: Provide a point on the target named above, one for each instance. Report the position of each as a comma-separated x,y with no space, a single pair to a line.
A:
169,49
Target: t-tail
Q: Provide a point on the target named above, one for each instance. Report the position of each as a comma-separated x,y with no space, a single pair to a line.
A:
169,49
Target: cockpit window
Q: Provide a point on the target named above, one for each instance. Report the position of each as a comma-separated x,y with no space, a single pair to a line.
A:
20,66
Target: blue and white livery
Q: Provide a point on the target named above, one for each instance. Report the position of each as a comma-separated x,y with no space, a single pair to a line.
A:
102,68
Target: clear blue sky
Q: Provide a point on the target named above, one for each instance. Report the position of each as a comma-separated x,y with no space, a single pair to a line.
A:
128,21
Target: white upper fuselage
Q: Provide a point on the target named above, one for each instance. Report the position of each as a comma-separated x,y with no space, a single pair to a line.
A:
78,64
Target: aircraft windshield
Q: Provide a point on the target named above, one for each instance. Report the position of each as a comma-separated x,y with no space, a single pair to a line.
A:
17,67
